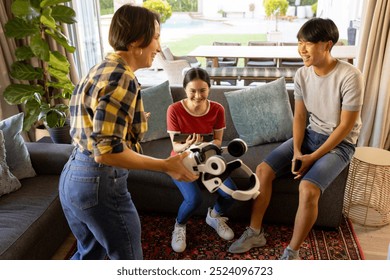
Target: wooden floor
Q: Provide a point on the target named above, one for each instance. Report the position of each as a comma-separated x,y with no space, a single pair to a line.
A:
374,242
64,248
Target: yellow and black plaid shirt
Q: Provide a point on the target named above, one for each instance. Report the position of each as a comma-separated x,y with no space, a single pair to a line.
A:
106,109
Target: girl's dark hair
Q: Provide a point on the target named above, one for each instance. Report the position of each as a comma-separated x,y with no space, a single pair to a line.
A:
132,23
196,73
318,30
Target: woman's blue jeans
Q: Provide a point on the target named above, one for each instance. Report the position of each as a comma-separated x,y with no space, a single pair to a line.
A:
99,210
192,199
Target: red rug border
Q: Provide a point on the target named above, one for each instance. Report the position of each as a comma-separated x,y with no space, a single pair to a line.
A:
355,238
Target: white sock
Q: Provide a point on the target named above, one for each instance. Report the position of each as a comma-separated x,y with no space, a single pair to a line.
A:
179,225
295,252
255,230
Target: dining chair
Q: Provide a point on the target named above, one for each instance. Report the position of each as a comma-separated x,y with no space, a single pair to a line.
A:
290,62
225,61
174,69
260,62
168,55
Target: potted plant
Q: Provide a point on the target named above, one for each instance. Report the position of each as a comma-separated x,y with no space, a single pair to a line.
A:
41,74
275,8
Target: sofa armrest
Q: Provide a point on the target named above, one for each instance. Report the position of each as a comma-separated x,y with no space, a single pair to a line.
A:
49,158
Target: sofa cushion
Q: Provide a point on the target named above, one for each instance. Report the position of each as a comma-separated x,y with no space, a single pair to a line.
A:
32,224
8,182
18,158
156,100
262,114
49,158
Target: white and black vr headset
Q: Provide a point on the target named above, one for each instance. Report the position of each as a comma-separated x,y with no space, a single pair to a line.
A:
206,161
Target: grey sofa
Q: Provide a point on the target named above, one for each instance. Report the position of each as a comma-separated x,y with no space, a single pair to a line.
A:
32,223
155,192
33,226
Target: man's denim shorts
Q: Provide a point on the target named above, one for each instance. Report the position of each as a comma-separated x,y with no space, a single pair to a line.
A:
324,170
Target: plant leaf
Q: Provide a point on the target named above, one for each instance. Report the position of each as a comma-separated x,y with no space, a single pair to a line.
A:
19,28
63,108
66,88
54,117
47,20
46,3
20,8
26,9
23,71
59,75
17,94
32,111
36,4
24,53
40,48
64,14
59,62
61,39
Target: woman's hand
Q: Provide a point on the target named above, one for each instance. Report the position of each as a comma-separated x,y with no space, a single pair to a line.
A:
194,139
147,115
177,170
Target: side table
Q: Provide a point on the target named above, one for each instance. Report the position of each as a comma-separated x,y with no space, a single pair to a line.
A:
367,193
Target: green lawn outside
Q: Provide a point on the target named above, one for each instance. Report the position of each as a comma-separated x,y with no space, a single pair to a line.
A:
184,46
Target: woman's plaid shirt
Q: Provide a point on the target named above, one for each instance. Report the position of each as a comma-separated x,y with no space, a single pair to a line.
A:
106,109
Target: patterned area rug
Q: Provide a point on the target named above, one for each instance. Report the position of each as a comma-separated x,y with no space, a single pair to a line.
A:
203,243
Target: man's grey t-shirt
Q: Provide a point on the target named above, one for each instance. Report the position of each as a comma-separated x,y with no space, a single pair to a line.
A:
325,97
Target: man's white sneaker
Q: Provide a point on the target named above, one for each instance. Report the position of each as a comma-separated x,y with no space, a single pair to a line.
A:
248,240
178,242
220,226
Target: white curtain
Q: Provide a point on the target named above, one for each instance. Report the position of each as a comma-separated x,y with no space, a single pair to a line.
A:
85,34
374,62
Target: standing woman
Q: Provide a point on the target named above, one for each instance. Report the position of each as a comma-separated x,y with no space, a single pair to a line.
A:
197,115
107,123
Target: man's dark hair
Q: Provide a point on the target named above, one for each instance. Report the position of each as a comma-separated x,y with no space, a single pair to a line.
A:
318,30
131,23
196,73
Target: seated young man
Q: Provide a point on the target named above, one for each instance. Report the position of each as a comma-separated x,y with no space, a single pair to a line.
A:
330,93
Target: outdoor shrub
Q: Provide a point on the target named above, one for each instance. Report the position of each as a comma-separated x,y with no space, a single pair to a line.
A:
271,7
161,7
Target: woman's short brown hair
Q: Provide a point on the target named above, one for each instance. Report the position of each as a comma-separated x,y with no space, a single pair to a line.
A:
131,23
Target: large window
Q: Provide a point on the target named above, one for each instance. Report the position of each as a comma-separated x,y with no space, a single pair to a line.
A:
185,30
86,35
